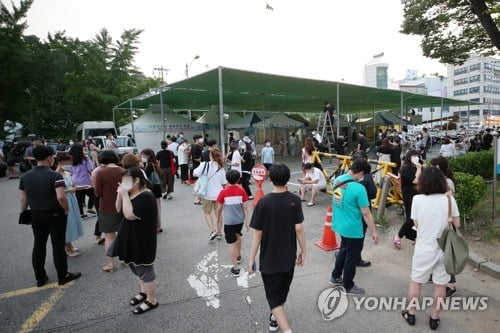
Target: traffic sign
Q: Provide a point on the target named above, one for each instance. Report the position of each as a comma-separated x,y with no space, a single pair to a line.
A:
259,172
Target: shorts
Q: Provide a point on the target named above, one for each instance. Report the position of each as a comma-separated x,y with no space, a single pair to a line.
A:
318,187
108,223
207,205
276,286
145,273
426,263
232,231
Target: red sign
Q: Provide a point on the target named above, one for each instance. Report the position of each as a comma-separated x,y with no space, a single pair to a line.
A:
259,172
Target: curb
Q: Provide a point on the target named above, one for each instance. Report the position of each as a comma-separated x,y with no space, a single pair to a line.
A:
484,265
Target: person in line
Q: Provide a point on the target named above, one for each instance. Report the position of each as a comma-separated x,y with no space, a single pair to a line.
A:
196,150
314,181
396,151
307,151
111,144
152,170
409,174
173,146
106,184
487,140
81,171
130,160
99,240
350,204
167,172
362,142
182,155
340,145
234,157
292,142
74,229
277,223
232,201
216,174
205,155
267,155
384,152
371,191
447,148
93,150
430,215
136,240
42,190
246,169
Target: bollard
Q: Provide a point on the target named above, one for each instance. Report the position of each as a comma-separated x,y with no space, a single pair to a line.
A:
383,197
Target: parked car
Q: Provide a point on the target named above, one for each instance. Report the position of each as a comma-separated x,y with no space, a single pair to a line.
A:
125,144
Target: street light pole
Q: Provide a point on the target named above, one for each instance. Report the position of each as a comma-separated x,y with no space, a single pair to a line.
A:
188,67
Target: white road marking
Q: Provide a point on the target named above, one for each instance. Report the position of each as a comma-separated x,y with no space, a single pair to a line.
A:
204,280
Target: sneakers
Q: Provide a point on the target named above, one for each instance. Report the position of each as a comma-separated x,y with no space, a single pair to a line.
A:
355,290
273,324
70,277
169,197
238,260
364,263
212,236
235,272
450,292
42,282
336,281
91,211
219,236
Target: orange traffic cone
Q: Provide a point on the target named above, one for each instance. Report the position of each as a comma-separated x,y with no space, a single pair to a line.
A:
329,241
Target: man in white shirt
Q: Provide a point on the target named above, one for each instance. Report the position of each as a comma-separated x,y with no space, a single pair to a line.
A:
172,145
111,143
317,136
314,180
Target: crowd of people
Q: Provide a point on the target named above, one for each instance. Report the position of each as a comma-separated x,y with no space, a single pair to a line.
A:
121,192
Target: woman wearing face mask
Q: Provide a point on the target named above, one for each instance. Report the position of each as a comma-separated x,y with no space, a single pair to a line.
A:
81,171
136,240
152,170
74,229
267,155
106,184
409,175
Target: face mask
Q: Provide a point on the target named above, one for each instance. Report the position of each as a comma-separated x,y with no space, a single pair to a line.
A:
127,184
268,145
71,142
144,159
414,159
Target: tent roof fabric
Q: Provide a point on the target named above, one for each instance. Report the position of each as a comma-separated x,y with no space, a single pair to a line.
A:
244,122
253,91
279,120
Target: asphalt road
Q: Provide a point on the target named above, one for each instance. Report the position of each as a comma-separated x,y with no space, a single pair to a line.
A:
195,290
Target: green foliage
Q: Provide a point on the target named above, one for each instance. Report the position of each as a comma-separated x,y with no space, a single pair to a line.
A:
453,31
469,189
51,85
474,163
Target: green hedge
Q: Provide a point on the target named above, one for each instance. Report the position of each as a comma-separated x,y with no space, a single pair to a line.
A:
474,163
469,189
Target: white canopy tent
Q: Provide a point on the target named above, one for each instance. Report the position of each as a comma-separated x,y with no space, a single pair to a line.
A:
148,128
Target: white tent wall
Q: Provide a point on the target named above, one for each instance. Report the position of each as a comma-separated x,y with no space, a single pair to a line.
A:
148,129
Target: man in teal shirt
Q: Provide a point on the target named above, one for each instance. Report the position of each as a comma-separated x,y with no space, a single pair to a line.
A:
350,204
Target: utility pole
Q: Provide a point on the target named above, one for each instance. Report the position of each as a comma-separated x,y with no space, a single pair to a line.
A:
161,70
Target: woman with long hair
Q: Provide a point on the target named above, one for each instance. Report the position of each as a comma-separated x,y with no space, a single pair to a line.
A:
135,243
384,152
74,229
216,174
307,151
246,169
106,184
152,170
430,215
81,171
409,175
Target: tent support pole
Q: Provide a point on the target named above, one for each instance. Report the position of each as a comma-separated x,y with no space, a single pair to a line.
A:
132,118
402,112
338,110
468,114
374,125
221,113
263,116
442,105
162,114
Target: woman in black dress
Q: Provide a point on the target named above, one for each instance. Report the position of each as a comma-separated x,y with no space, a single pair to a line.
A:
409,174
135,243
152,170
246,169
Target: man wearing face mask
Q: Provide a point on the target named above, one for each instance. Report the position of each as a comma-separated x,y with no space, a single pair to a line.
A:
43,191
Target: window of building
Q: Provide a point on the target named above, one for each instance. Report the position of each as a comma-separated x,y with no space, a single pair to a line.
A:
492,89
492,78
475,78
461,81
461,70
478,100
460,92
474,90
475,67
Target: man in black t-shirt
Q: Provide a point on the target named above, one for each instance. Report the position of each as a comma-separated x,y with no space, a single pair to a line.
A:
362,142
277,223
205,155
43,190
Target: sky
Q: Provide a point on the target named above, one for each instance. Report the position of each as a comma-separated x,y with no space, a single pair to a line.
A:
319,39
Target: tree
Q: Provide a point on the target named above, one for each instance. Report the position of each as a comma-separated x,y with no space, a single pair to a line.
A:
454,30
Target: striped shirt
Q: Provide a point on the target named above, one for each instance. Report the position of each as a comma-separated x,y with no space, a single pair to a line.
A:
233,197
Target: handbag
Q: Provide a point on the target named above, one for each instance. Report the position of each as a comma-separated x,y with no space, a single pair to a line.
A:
154,178
173,164
454,246
25,217
200,187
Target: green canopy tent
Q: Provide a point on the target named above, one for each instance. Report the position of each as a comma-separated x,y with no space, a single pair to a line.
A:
252,91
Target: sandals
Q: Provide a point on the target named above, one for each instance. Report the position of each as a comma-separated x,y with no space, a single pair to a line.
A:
434,323
410,319
139,298
149,307
396,242
108,269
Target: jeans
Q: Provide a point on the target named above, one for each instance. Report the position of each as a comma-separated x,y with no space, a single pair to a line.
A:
45,223
348,257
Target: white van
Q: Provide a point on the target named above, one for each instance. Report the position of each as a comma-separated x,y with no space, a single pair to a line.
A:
94,128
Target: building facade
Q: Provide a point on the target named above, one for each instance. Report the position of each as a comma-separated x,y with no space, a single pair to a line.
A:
376,73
